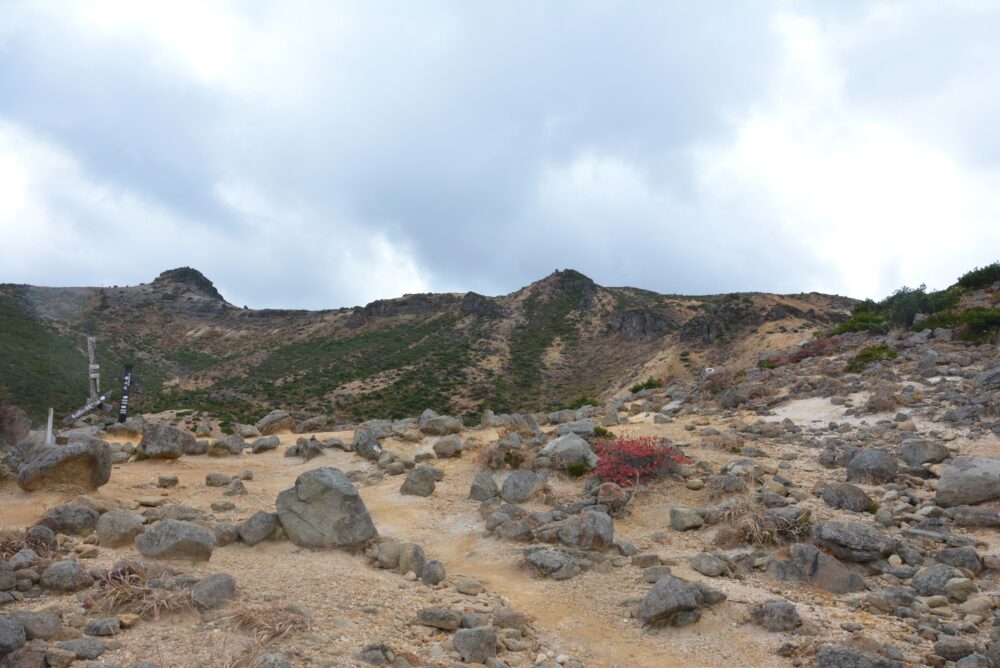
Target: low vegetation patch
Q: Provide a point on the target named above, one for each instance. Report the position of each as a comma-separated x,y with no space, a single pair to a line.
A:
870,355
634,461
648,384
980,277
129,589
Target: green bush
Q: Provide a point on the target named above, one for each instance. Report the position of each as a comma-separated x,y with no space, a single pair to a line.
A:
581,401
865,318
979,324
980,277
578,469
648,384
601,432
870,355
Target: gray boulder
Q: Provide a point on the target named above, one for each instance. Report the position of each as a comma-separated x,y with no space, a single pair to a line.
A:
12,636
872,465
439,425
174,539
66,575
84,463
214,592
521,485
674,602
922,451
809,564
570,450
313,424
264,444
258,528
988,380
366,444
325,510
834,656
160,441
483,487
591,530
439,618
853,541
228,446
448,446
969,480
420,481
274,422
685,519
70,519
776,615
581,427
931,580
552,563
848,497
476,645
118,527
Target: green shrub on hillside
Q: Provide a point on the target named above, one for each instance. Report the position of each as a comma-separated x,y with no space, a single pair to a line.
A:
870,355
980,277
648,384
581,401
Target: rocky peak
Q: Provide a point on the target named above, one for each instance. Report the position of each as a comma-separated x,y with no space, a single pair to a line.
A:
188,278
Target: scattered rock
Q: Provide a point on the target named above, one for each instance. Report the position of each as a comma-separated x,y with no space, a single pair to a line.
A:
325,510
174,539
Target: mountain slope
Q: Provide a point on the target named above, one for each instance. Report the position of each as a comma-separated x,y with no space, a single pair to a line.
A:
539,347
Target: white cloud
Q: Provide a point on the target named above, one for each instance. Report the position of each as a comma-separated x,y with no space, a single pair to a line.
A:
879,204
54,218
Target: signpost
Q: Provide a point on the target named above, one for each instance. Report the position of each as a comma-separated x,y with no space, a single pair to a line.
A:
126,387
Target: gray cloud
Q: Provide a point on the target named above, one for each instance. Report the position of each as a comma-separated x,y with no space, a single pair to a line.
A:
326,154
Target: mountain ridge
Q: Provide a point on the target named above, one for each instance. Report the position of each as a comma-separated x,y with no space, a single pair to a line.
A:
556,338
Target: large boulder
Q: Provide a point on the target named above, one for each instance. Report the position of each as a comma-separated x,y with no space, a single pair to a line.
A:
258,528
274,422
448,446
264,444
809,564
591,530
835,656
848,497
160,441
420,481
174,539
988,380
313,424
118,527
921,451
570,450
969,480
70,519
439,425
476,645
872,465
214,591
521,485
552,563
366,444
228,446
483,487
85,463
324,509
674,602
853,541
12,636
66,575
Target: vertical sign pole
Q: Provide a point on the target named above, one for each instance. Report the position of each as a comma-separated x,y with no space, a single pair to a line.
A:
126,386
48,431
95,369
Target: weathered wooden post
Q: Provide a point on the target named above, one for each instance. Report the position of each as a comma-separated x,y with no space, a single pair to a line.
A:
48,430
95,369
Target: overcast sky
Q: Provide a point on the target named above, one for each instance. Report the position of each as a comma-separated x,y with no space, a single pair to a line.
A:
323,154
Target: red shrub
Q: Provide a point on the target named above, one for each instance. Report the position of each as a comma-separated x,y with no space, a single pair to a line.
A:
817,348
633,461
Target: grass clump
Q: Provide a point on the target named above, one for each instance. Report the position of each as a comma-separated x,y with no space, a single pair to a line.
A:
581,401
871,355
648,384
601,432
128,588
980,277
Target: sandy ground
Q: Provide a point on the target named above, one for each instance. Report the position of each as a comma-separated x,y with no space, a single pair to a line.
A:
586,617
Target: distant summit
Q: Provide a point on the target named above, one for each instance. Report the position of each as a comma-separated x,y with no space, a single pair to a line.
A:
188,277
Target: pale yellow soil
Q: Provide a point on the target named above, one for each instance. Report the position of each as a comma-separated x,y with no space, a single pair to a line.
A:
586,617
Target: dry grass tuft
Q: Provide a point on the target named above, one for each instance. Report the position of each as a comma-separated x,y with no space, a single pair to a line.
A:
127,589
748,525
724,442
883,399
266,624
12,542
